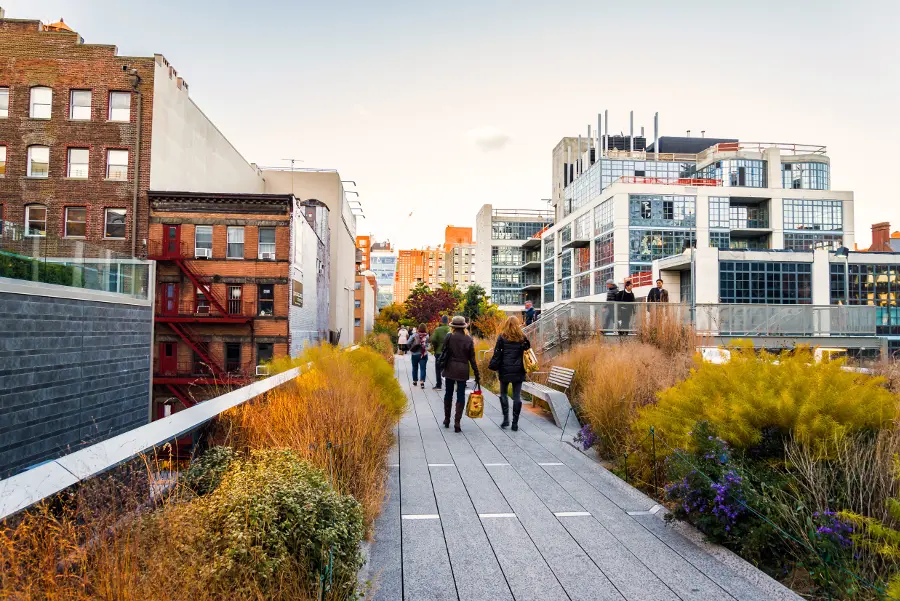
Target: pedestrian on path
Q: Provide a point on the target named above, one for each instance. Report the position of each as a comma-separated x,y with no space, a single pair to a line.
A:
509,362
658,294
402,339
529,313
437,345
418,349
457,356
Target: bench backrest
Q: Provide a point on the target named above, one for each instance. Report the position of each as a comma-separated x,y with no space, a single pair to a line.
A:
561,377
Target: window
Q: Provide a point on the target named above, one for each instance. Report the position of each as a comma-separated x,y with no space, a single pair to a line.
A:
515,230
235,247
117,165
4,103
80,105
232,356
38,161
76,222
357,322
41,99
78,163
2,161
264,352
822,215
357,285
357,304
668,210
267,243
765,282
201,303
805,176
114,224
120,106
36,220
203,238
234,300
719,212
266,299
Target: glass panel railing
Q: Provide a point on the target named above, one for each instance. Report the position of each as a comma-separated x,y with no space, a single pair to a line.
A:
70,262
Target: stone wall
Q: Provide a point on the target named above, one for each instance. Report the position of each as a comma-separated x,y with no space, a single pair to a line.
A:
72,372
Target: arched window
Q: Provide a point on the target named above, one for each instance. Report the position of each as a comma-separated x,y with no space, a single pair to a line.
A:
41,99
36,220
38,161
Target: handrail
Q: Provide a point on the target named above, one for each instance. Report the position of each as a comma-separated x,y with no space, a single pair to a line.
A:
23,490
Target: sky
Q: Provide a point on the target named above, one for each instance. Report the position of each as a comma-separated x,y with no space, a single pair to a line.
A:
436,108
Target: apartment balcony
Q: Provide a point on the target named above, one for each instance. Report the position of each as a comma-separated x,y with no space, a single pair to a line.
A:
576,242
748,218
202,311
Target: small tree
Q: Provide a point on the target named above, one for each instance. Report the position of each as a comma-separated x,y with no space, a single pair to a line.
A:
473,302
389,319
426,306
484,316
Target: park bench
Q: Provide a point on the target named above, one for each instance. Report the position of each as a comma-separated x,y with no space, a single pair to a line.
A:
555,393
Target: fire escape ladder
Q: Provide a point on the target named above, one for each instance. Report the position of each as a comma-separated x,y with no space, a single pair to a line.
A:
207,289
180,395
201,348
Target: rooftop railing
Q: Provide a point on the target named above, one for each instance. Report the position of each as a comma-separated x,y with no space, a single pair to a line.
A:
70,262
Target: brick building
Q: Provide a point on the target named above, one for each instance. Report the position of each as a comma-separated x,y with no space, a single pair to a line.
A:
364,305
364,248
238,283
85,133
459,250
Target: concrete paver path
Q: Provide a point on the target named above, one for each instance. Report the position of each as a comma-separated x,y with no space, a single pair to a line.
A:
494,515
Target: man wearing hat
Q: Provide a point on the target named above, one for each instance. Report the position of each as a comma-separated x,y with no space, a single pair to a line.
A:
457,356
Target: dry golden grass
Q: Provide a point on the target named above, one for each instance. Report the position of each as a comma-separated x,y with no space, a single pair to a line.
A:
666,327
614,380
350,400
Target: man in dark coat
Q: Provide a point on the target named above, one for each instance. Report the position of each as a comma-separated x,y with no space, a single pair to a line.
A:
658,294
626,312
609,317
529,313
457,356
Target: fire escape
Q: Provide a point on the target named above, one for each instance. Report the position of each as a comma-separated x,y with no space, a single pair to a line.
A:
182,317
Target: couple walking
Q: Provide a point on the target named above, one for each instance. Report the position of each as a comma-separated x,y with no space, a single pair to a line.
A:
508,361
418,343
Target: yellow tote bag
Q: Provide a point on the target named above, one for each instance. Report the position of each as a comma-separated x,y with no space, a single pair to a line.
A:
530,361
475,404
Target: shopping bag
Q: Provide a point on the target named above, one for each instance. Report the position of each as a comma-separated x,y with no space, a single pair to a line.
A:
530,361
475,404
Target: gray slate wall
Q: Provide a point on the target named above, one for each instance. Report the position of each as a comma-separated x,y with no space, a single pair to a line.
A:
72,373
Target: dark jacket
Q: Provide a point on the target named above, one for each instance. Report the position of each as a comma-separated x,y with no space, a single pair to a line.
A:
658,295
457,356
612,293
625,297
529,316
508,359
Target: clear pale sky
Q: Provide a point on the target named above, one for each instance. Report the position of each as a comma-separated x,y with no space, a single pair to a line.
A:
436,108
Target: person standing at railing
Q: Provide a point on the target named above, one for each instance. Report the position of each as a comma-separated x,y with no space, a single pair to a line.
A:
418,350
658,294
626,311
529,313
609,316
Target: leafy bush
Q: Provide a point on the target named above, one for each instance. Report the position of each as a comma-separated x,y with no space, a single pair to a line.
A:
205,473
381,344
22,268
788,395
273,512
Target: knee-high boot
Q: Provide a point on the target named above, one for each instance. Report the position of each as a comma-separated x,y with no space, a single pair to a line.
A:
517,409
504,407
448,403
457,417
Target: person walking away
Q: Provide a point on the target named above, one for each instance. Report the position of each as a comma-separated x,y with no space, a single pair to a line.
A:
402,339
626,312
457,356
509,363
437,345
418,348
612,291
658,294
529,313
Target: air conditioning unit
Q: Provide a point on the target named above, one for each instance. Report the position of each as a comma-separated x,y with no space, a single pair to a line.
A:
203,310
262,370
203,253
267,256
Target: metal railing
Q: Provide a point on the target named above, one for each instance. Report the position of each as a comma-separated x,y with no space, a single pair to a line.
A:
203,308
669,181
581,320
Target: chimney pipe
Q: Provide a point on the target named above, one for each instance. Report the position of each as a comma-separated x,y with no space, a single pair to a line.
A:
631,131
656,134
881,236
578,158
702,133
688,133
605,132
599,137
589,140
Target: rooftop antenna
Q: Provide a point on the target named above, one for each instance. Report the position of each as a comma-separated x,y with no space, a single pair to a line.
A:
292,171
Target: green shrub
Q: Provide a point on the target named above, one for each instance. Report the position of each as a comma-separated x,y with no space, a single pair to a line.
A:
273,512
381,344
21,268
788,395
205,473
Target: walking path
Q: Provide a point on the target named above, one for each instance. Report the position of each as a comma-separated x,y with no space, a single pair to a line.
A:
496,515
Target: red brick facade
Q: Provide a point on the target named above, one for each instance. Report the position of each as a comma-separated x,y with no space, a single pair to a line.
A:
31,56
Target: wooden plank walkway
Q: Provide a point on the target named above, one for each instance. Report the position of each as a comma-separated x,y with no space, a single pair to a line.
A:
494,515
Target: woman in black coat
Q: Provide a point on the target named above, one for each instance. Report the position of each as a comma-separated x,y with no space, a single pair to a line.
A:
509,363
456,358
